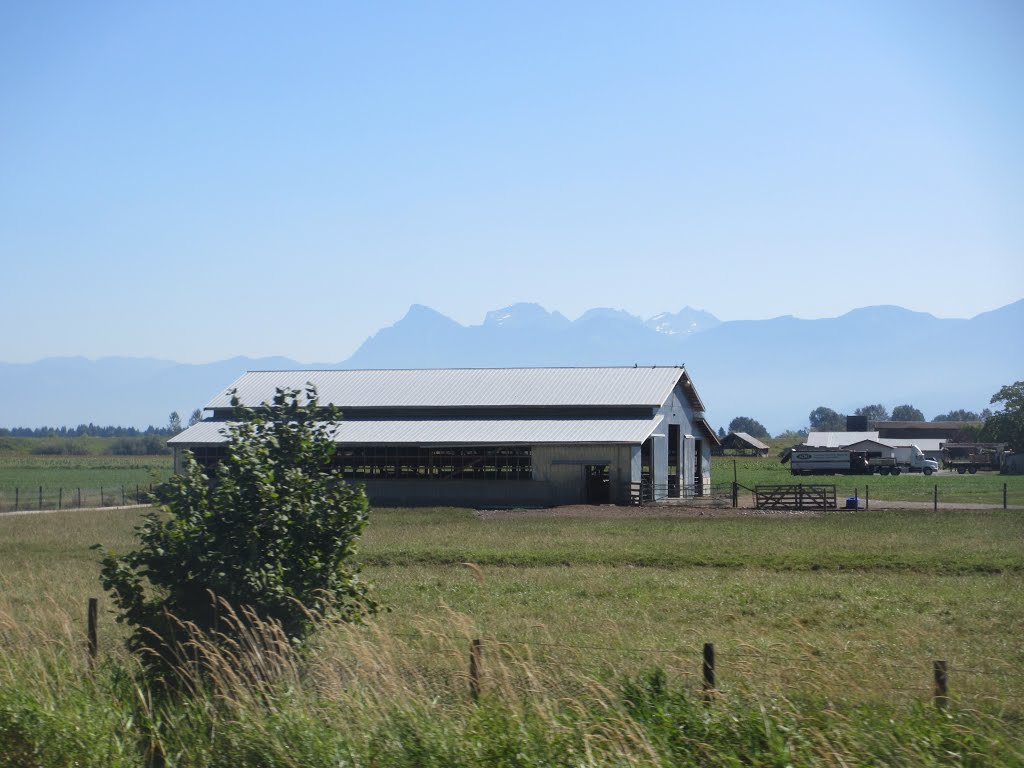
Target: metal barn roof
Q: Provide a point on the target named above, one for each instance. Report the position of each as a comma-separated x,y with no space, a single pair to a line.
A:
470,387
837,439
845,439
459,432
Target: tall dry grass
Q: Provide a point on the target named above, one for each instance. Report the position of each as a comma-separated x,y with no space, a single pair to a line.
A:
360,695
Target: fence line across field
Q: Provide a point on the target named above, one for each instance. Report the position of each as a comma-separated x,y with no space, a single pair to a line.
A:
41,498
707,662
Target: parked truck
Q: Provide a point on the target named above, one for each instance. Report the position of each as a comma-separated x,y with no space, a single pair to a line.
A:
904,458
974,457
809,460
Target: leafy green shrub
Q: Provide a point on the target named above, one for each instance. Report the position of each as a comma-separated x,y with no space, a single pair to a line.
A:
149,445
273,532
62,448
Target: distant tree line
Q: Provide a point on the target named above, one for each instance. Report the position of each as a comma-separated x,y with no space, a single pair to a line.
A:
85,430
174,426
825,419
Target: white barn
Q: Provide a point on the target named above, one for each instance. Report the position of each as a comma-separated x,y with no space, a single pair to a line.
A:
497,436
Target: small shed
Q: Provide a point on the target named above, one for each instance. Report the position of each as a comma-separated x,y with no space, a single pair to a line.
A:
742,443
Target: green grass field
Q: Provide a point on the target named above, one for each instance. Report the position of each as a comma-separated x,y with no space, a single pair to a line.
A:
26,472
824,626
982,488
64,480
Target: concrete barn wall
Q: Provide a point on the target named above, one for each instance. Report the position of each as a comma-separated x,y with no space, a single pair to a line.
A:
564,468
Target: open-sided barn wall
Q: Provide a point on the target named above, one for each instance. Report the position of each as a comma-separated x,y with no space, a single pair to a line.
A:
477,494
560,476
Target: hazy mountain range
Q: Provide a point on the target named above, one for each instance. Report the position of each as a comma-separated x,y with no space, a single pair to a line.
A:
774,370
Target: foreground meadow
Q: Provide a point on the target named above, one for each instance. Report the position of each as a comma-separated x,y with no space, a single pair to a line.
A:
825,630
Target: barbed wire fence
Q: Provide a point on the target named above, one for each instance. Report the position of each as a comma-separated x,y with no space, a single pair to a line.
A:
716,670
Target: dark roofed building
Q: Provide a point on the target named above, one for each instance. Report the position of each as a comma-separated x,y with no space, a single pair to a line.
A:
744,443
947,431
498,436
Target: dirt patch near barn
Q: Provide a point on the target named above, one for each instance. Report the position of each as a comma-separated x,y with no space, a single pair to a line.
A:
662,511
651,511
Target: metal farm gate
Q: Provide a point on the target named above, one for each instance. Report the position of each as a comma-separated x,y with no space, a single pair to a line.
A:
795,497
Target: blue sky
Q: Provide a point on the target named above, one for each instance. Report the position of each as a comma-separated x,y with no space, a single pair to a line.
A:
194,181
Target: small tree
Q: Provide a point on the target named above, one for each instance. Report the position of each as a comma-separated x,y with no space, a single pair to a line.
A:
174,423
876,412
274,534
791,436
1007,425
824,419
959,414
751,426
196,417
906,413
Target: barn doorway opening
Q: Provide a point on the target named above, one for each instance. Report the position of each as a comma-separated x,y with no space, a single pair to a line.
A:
647,470
673,461
598,484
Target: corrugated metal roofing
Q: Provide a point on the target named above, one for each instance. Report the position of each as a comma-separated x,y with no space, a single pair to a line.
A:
844,439
924,443
466,387
464,432
837,439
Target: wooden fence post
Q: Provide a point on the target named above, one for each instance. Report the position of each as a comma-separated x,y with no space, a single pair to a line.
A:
17,493
735,494
1004,495
60,499
101,495
935,503
941,697
475,667
93,639
122,495
40,497
867,497
709,670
